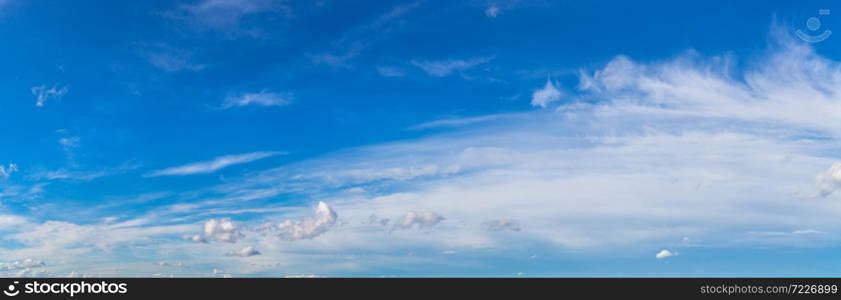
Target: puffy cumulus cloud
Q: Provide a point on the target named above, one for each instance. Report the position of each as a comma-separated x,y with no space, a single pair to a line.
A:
306,228
21,264
442,68
415,219
502,224
213,165
549,93
7,171
43,93
830,180
223,230
262,98
244,252
665,254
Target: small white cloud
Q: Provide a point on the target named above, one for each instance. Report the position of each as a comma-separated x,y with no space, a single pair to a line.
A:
492,11
196,238
169,58
68,143
549,93
7,171
244,252
262,98
806,231
665,254
213,165
173,62
786,233
223,230
21,264
303,276
446,67
830,180
42,93
414,219
306,228
502,224
390,72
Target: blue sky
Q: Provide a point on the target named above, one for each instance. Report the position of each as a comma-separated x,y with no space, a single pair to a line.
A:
419,138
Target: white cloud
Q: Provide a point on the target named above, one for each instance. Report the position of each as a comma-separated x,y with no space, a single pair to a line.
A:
223,230
390,72
7,171
262,98
22,264
443,68
830,180
79,175
415,219
225,16
549,93
9,221
356,39
213,165
665,254
169,58
660,151
458,122
68,143
492,11
173,61
501,225
43,93
244,252
306,228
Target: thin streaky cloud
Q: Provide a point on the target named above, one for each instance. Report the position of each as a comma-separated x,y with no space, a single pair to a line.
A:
262,98
213,165
442,68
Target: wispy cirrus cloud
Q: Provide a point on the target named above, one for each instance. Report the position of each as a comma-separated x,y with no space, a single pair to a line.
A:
169,58
226,16
442,68
390,71
81,175
262,98
7,171
213,165
43,93
357,39
675,148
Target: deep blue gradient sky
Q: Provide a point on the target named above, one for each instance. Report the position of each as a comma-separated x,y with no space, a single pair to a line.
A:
654,132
